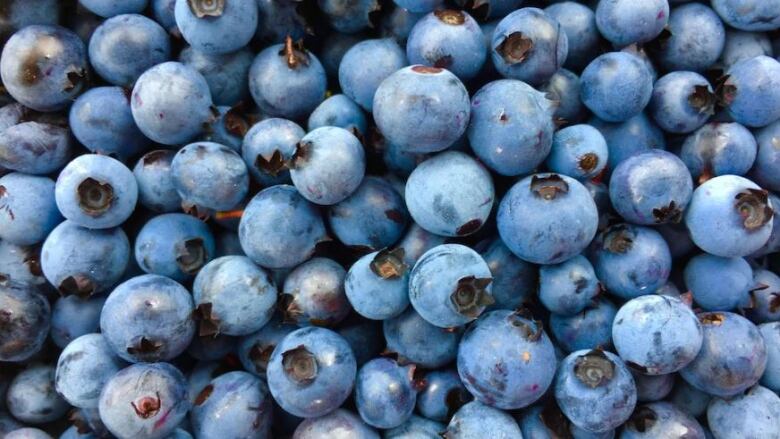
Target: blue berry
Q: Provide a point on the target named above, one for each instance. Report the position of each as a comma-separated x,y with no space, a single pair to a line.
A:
578,21
32,397
695,38
476,419
210,175
217,27
365,65
589,329
616,86
28,211
719,149
110,8
72,317
268,147
751,91
657,419
579,151
225,73
624,22
717,283
514,280
235,404
682,102
340,420
84,366
339,111
567,288
417,341
442,395
313,294
749,15
156,191
385,392
377,285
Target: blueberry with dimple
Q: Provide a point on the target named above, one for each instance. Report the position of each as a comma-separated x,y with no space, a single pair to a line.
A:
754,414
616,86
144,400
339,111
506,360
547,218
210,175
365,65
476,419
72,317
28,211
217,27
438,201
693,40
235,404
233,296
174,245
385,392
124,46
328,165
279,228
589,329
658,419
83,262
171,102
25,316
563,88
377,284
421,109
719,149
729,216
254,350
110,8
287,81
624,139
750,15
35,147
656,335
765,297
718,283
340,420
450,39
32,398
567,288
511,126
148,318
732,358
579,151
442,395
578,21
419,342
311,372
751,91
156,191
682,102
624,22
768,157
268,147
529,45
225,73
44,67
83,367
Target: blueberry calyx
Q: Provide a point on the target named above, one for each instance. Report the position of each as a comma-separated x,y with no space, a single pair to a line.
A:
94,197
455,399
643,419
190,255
75,79
209,323
260,355
753,207
204,394
525,322
77,419
618,239
235,122
79,285
206,8
426,70
548,187
702,100
389,264
470,296
469,227
301,155
291,312
452,17
712,318
144,346
725,91
300,365
294,53
272,165
515,48
147,406
588,161
417,377
154,157
667,214
594,369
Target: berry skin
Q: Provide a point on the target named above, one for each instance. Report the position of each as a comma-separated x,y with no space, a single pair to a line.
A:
590,329
328,165
110,8
174,245
385,393
595,390
729,216
528,45
556,212
754,414
651,188
35,148
222,29
311,372
26,433
768,158
682,102
449,39
732,358
225,73
749,15
751,92
506,360
564,89
567,288
511,126
83,262
339,111
156,191
236,404
313,294
210,175
28,211
514,280
377,285
84,366
771,334
719,149
171,102
279,228
254,350
689,399
72,317
25,316
719,284
579,151
415,426
365,65
268,147
439,202
44,67
624,139
651,388
349,18
616,86
144,400
233,296
418,6
148,318
476,419
20,266
658,419
697,38
624,22
741,45
579,23
631,260
124,46
421,109
442,395
419,342
450,285
31,396
343,421
676,334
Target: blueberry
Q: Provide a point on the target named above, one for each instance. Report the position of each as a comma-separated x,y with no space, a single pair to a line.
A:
729,216
27,433
771,334
72,317
635,135
589,329
148,318
334,46
385,392
212,348
365,65
268,147
547,218
339,420
21,13
44,67
579,23
32,398
569,287
416,242
418,6
419,342
233,296
765,297
616,86
442,395
328,165
742,45
124,46
35,147
623,22
506,360
278,19
682,102
529,45
579,151
311,372
717,283
689,399
476,419
719,149
339,111
349,17
162,12
225,73
377,284
514,280
174,245
110,8
313,294
421,109
280,228
768,158
749,15
416,426
751,91
25,316
693,39
756,413
287,81
73,433
84,366
20,266
236,404
228,128
28,211
83,262
733,355
217,27
210,175
563,89
156,191
511,127
144,400
651,388
171,102
658,419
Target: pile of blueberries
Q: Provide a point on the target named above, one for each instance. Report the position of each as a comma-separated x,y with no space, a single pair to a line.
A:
407,219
